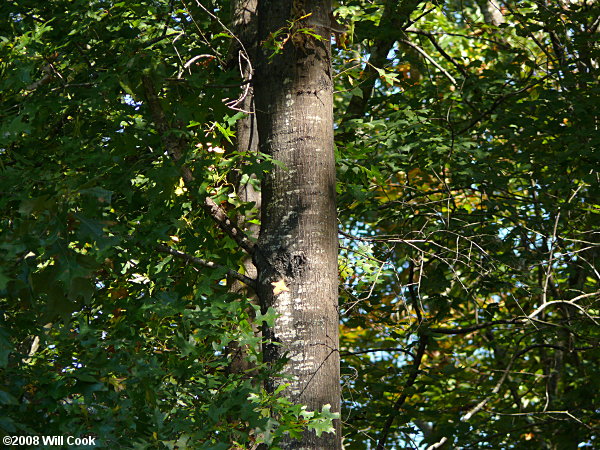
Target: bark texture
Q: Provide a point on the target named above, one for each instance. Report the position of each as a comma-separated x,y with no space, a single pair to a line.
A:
297,258
492,12
243,55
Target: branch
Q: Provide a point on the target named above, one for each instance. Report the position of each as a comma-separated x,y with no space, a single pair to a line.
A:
497,387
419,17
501,99
565,302
533,413
439,48
382,239
517,320
474,327
398,403
209,264
157,39
175,147
414,296
430,59
232,230
390,19
438,444
375,350
466,36
530,34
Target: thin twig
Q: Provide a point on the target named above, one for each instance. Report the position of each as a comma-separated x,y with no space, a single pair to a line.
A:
503,98
480,326
497,387
430,59
375,350
443,52
243,55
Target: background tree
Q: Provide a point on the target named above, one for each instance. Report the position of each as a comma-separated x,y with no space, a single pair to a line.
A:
466,151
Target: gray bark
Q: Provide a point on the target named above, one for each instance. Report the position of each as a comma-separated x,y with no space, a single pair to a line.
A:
298,236
243,54
492,14
244,23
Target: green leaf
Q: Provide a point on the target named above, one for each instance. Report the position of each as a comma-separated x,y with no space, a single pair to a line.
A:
323,423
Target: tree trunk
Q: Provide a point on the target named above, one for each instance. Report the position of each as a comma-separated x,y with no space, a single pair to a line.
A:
243,56
297,263
492,12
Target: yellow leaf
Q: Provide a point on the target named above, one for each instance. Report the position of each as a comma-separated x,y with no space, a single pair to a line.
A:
180,189
117,383
215,149
279,287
